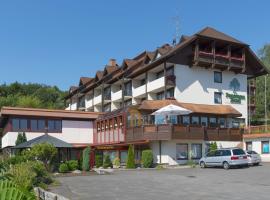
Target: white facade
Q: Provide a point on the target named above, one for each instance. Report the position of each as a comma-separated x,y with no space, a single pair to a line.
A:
169,149
196,85
73,132
257,146
193,85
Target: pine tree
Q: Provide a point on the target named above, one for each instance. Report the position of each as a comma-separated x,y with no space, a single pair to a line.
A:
86,159
21,138
130,159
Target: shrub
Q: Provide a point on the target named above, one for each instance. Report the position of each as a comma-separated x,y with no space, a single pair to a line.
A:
147,158
63,168
44,152
23,175
80,160
86,160
42,178
72,165
130,159
107,161
116,162
98,161
17,159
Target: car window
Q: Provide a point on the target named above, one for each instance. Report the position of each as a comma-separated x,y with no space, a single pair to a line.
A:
211,154
226,153
249,152
218,153
254,152
238,152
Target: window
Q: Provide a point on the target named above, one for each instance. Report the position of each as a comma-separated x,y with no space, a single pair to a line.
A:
218,77
128,89
217,98
221,122
211,154
160,74
123,156
170,71
15,124
143,82
181,151
37,125
196,151
170,93
128,103
249,146
204,121
160,96
107,108
54,126
194,120
19,124
265,147
238,152
213,122
186,120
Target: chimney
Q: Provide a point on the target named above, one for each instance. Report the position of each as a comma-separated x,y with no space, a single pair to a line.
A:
112,62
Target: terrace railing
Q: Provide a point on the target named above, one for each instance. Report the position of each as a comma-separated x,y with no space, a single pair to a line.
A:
168,132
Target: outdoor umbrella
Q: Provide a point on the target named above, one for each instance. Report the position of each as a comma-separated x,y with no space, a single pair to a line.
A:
172,110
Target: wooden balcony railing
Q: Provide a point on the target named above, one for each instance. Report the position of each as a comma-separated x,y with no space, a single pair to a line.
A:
169,132
258,129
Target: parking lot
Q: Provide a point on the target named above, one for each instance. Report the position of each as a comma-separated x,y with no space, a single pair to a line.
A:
211,183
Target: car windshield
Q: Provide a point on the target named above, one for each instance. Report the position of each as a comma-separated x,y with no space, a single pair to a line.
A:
238,152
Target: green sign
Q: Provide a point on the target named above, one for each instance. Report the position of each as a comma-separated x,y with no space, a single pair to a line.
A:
235,98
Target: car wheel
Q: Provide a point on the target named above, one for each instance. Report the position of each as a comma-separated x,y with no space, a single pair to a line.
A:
202,164
226,165
256,164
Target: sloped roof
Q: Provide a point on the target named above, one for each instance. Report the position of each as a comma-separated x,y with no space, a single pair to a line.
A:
99,75
15,111
213,33
46,138
84,80
195,108
110,69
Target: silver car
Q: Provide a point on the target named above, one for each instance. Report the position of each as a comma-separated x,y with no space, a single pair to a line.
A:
225,158
253,158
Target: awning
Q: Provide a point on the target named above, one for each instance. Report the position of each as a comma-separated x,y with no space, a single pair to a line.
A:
152,105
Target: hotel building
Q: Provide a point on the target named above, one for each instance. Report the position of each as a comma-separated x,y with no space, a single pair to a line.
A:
208,73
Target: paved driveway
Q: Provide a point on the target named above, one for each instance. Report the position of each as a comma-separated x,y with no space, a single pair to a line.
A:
207,184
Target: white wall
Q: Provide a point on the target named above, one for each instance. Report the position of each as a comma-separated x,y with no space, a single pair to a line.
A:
257,146
74,132
196,85
168,150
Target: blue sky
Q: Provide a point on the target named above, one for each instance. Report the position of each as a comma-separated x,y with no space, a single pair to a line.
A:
56,41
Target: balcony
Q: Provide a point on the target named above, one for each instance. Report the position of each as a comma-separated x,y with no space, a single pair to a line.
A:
97,100
169,132
117,96
139,91
89,103
156,85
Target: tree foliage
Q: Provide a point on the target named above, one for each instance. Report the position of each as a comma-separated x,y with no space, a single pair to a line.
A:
31,95
130,158
44,153
21,138
264,55
86,159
